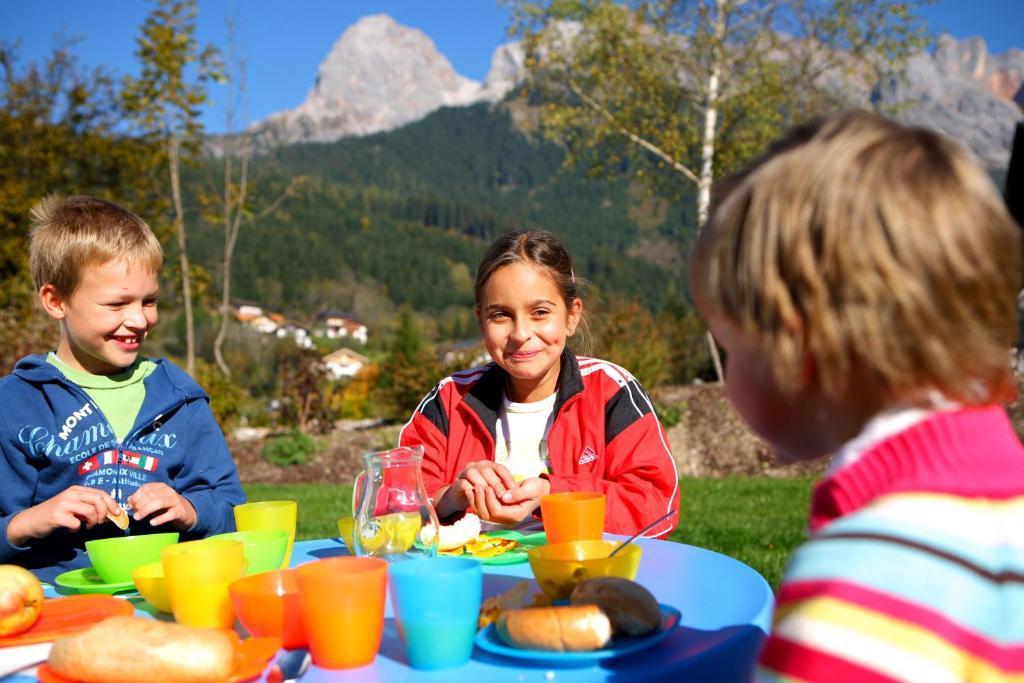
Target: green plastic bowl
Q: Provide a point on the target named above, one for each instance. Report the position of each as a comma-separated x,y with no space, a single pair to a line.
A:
264,549
114,559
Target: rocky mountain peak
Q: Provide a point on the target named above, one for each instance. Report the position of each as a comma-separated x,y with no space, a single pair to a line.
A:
969,59
964,91
380,75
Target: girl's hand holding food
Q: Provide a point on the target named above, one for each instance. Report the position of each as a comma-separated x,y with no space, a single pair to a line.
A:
518,503
471,486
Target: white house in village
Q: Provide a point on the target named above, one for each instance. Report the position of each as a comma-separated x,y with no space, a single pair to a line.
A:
297,332
341,325
246,310
344,363
253,315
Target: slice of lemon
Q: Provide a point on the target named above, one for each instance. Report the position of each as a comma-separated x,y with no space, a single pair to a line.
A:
403,527
373,536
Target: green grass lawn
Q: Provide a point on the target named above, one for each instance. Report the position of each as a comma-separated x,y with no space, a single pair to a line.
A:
757,520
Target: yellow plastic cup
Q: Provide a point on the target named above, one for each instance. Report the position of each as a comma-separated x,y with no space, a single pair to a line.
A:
345,525
270,514
573,516
197,574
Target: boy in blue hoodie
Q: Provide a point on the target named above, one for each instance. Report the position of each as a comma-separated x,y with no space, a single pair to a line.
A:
93,428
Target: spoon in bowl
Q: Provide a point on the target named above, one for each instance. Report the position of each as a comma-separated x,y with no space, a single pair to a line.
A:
646,528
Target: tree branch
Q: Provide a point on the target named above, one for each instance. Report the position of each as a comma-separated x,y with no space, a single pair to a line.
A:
649,146
276,203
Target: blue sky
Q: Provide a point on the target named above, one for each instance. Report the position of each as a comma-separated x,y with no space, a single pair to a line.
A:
286,41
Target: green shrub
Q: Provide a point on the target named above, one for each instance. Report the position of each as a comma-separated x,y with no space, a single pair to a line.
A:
292,448
668,415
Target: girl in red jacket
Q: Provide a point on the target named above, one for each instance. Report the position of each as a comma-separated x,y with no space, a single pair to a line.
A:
539,419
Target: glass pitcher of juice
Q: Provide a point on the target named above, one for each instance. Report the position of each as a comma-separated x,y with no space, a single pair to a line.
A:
393,515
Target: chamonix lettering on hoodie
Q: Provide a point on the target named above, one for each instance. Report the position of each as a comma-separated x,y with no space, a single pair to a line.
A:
52,436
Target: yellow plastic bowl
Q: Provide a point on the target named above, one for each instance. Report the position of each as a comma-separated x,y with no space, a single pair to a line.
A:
560,567
149,580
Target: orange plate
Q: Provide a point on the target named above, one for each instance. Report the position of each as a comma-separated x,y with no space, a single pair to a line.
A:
63,616
251,657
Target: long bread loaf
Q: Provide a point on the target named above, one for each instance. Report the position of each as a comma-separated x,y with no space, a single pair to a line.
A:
139,650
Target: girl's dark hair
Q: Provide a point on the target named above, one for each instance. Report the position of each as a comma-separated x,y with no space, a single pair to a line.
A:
542,249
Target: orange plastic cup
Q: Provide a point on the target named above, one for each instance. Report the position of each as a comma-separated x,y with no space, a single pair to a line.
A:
573,516
267,604
342,604
269,514
197,574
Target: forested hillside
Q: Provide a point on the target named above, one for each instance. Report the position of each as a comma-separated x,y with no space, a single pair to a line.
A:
403,217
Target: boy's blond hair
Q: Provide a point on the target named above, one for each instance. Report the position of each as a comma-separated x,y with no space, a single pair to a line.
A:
857,241
70,233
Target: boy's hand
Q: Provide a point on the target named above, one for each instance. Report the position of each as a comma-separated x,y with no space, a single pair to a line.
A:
157,498
471,486
70,509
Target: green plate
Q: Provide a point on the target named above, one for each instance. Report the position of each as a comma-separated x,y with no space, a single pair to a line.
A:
86,580
518,555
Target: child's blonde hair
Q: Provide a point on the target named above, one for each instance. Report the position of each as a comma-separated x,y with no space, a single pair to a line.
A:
69,233
857,240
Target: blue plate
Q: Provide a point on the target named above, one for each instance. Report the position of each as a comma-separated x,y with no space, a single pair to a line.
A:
488,640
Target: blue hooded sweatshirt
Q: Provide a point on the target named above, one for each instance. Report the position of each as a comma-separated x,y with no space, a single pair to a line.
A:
53,436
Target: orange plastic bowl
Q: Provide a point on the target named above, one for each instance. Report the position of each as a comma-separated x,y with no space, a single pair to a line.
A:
267,604
560,567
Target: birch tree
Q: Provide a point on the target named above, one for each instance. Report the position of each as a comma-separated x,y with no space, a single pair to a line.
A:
686,90
165,100
693,88
237,203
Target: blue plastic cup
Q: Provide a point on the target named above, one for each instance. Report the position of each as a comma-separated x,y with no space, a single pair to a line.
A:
437,604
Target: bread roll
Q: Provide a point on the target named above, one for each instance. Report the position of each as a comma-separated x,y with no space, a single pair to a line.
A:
630,607
453,536
139,650
561,629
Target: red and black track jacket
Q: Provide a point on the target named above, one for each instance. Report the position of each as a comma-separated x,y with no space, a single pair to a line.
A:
605,437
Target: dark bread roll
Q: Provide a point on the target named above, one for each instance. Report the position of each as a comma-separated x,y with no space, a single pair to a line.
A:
630,607
560,629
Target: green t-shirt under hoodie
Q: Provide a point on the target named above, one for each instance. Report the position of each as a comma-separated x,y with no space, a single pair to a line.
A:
119,397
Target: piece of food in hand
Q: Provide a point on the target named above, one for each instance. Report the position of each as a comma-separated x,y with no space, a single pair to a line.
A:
452,536
134,649
120,519
630,607
575,628
21,599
